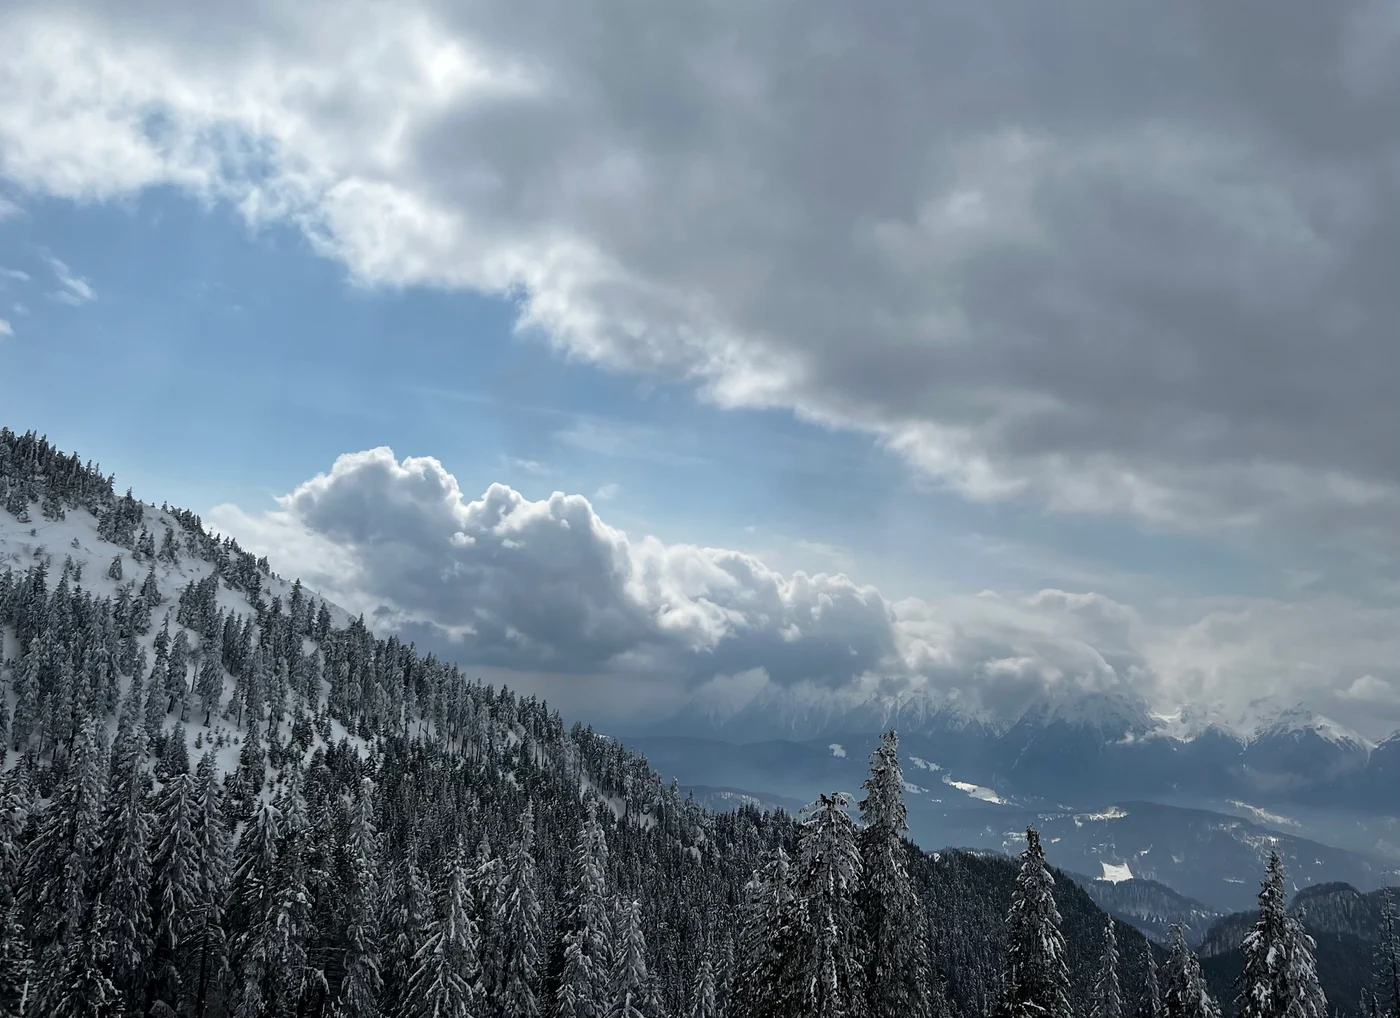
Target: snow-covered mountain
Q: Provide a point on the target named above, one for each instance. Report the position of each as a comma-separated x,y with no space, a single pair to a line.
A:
1079,747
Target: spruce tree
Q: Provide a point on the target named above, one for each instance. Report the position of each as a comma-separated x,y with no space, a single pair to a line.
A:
1280,976
828,963
359,990
1036,981
769,913
1151,1004
1108,996
891,914
126,880
1184,994
519,925
447,965
583,987
631,989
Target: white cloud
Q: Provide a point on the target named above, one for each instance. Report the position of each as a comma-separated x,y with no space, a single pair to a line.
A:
607,492
74,290
527,465
9,210
1173,303
19,275
549,587
6,329
20,309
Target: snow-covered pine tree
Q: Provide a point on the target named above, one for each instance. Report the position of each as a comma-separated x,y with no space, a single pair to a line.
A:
125,881
1387,979
631,995
769,910
1280,975
584,985
114,571
1185,994
702,999
829,953
1036,981
518,926
891,914
443,984
1151,1004
359,990
1108,996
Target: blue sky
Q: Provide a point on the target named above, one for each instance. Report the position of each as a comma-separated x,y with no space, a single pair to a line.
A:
1055,393
243,363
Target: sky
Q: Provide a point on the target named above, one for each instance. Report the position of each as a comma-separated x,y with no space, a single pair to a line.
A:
637,352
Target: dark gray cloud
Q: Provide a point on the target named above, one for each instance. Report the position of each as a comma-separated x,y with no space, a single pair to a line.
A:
1107,256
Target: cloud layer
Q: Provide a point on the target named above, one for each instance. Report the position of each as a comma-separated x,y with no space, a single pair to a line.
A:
548,587
1103,256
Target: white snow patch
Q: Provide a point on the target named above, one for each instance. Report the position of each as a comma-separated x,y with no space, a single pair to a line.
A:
1115,873
976,791
1263,815
837,750
923,764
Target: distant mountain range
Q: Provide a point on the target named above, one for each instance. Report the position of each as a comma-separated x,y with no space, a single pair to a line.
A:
1093,746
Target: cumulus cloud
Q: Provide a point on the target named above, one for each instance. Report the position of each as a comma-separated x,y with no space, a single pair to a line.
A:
1103,256
548,588
547,585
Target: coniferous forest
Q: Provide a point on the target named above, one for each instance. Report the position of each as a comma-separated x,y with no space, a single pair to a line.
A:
223,797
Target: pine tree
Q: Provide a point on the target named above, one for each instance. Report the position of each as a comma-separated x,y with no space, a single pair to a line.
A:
442,984
518,926
1036,982
1280,976
583,988
175,887
769,911
1151,1005
1388,957
114,571
702,999
206,959
631,990
359,990
1185,994
1108,996
891,914
126,880
828,963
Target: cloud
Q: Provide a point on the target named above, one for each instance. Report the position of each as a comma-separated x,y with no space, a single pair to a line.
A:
547,587
527,465
74,290
19,275
6,329
606,493
1106,258
9,210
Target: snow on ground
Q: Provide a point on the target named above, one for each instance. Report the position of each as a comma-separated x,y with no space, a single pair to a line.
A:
1264,816
1112,813
923,764
976,791
914,789
1115,873
837,750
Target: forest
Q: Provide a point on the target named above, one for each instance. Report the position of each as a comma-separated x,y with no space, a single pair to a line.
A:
223,797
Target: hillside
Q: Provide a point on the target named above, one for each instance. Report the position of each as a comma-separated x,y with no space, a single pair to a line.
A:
221,794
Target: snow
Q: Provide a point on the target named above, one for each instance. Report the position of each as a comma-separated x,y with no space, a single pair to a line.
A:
976,791
1112,813
1265,816
837,750
1115,873
923,764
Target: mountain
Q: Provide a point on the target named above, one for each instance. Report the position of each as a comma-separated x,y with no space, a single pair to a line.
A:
1081,748
214,771
1347,925
1150,906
